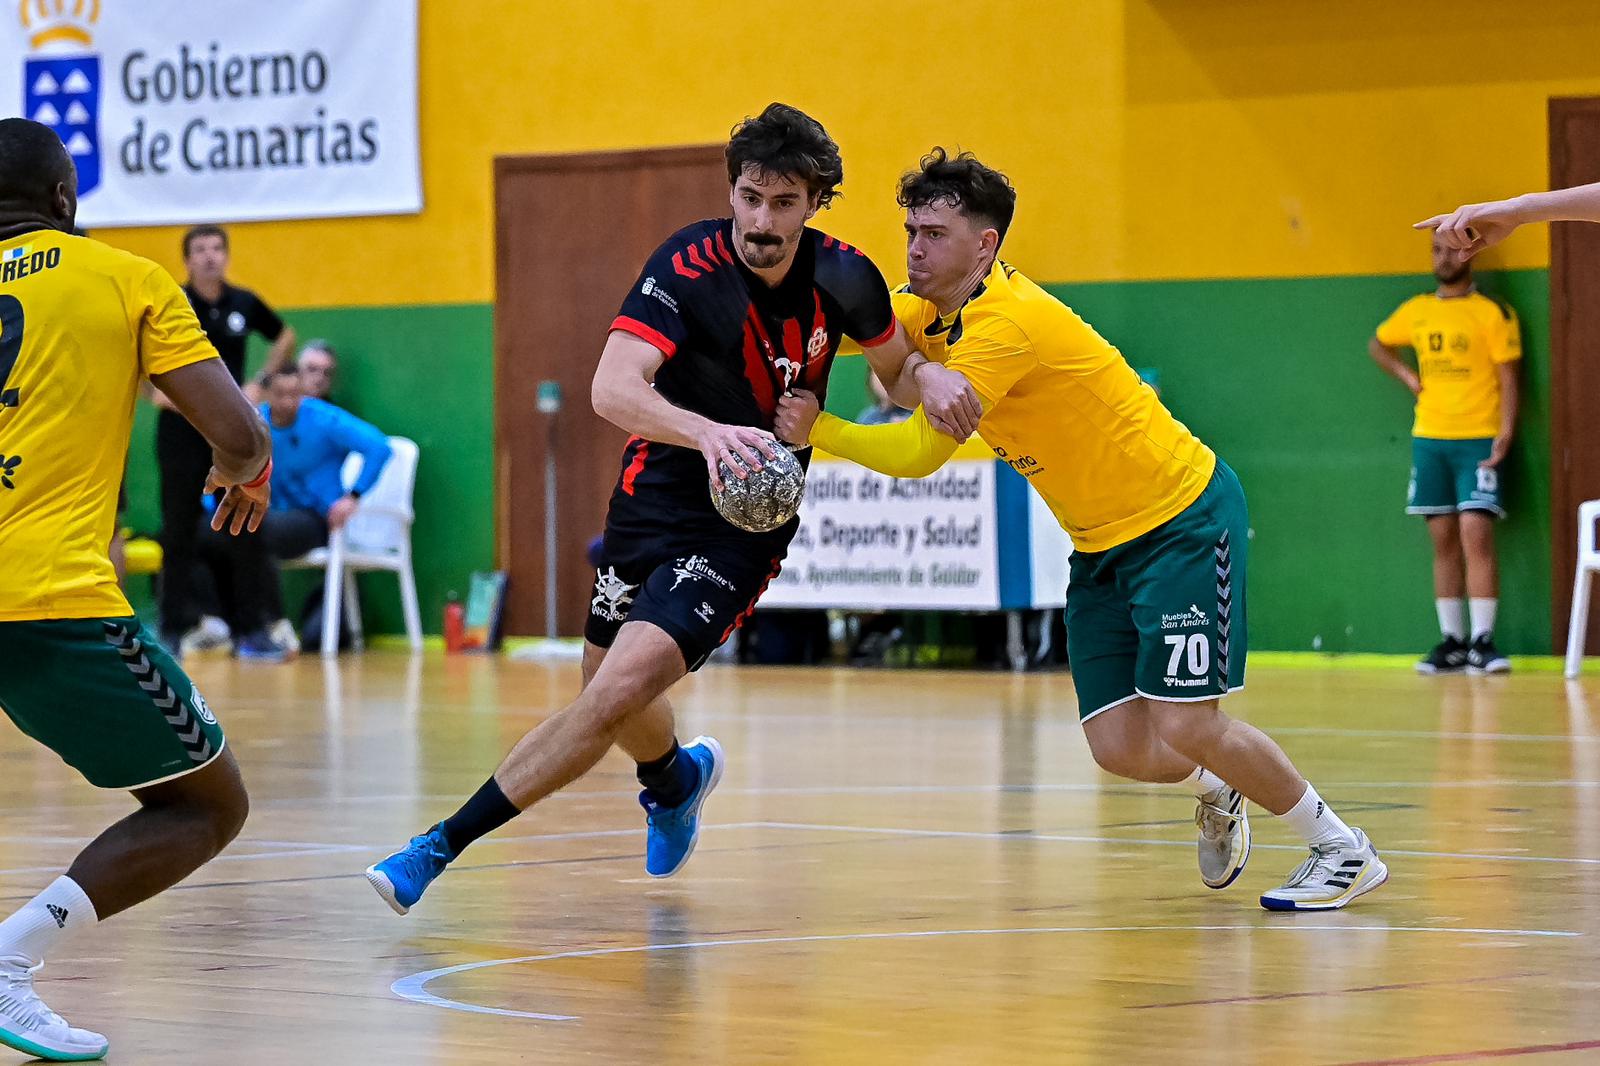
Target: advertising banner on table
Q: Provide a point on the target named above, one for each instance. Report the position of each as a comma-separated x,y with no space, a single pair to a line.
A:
180,111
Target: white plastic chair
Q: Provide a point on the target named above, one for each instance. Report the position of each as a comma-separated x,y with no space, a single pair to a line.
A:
377,537
1582,580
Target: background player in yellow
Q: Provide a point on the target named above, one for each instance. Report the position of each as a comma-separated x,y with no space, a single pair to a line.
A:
1467,347
1155,607
80,325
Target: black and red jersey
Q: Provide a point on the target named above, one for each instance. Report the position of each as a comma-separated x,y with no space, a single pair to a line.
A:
733,344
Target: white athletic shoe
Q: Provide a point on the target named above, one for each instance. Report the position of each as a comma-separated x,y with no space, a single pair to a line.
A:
32,1028
211,635
283,635
1334,875
1224,844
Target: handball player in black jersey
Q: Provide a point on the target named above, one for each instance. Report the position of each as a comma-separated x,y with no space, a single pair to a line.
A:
726,316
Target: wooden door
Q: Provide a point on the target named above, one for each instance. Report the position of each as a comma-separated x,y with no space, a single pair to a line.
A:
572,232
1574,355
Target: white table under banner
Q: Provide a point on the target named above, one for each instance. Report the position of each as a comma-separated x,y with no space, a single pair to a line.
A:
971,537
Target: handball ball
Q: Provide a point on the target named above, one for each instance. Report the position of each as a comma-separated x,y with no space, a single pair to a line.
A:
765,499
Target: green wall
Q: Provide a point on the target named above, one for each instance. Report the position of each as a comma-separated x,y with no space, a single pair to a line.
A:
1273,373
421,372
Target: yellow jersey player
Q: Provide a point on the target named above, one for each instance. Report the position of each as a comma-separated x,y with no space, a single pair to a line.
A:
1156,604
80,325
1468,347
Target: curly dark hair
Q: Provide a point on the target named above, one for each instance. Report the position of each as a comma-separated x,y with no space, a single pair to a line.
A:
977,191
786,141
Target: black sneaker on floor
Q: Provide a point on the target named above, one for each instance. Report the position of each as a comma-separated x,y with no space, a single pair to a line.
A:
1449,656
1484,658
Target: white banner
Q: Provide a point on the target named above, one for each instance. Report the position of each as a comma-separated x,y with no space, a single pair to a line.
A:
184,111
867,541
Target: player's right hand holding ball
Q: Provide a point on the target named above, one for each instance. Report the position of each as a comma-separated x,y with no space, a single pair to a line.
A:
740,447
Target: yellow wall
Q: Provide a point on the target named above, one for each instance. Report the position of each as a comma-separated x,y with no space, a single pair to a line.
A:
1149,138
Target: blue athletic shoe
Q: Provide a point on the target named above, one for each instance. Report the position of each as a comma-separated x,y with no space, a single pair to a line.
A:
673,831
403,877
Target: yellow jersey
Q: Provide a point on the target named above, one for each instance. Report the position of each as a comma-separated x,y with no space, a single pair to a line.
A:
80,323
1460,342
1064,409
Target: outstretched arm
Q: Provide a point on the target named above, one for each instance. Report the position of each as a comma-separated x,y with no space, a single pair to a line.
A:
1474,227
912,448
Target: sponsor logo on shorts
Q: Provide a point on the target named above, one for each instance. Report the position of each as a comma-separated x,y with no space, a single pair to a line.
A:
705,611
612,596
1193,618
202,708
696,568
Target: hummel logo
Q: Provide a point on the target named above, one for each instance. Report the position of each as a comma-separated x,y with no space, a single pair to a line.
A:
1320,808
58,913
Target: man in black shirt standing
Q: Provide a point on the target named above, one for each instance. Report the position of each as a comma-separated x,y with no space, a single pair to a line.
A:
228,315
725,317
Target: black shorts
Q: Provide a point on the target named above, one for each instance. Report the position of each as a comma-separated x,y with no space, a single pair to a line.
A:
696,595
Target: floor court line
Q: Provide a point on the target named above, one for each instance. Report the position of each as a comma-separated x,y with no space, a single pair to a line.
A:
1485,1053
1275,997
1064,838
414,986
376,850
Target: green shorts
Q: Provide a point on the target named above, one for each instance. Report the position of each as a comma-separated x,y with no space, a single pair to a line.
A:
108,700
1162,616
1446,478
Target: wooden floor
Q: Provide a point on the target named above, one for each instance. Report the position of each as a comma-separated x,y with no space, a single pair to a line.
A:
898,868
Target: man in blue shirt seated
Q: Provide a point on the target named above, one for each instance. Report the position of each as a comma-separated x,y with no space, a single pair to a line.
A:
310,441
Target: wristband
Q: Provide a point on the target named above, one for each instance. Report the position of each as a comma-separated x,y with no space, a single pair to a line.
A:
261,478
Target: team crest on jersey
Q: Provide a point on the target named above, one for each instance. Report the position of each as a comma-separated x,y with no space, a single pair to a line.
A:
612,596
817,346
236,322
61,88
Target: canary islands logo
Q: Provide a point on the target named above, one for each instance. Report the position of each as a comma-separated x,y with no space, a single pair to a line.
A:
61,79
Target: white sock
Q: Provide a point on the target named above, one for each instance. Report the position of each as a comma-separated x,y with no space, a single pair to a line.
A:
1483,610
1315,821
1450,618
1202,782
45,921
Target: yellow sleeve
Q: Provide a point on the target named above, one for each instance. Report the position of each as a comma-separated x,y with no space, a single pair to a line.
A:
169,334
993,359
1505,336
912,448
1395,331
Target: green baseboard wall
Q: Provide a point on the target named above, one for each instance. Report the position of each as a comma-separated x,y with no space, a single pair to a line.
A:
1273,373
